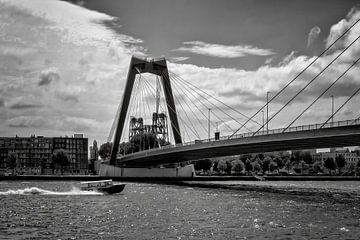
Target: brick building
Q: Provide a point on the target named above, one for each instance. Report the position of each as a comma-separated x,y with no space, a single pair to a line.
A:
34,154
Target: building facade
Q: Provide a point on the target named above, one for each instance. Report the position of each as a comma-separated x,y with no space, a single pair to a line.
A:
350,157
34,154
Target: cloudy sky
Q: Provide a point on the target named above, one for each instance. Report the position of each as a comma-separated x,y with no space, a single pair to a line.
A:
63,64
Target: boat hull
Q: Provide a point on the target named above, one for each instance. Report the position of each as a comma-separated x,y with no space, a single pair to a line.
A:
116,188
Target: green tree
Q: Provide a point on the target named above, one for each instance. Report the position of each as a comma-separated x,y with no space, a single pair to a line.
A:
105,150
12,162
266,164
221,166
317,167
340,162
60,158
279,162
330,164
215,166
306,156
228,167
144,141
288,165
357,169
248,166
351,169
204,164
273,166
256,167
237,166
303,166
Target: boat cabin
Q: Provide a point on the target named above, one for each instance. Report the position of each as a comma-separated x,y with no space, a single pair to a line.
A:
96,184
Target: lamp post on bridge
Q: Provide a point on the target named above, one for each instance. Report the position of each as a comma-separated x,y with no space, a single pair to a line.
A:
332,110
263,120
209,124
267,112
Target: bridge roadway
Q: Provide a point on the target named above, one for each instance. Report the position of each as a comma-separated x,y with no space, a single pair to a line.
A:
337,134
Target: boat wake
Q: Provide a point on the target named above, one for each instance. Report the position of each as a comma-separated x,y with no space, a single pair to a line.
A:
40,191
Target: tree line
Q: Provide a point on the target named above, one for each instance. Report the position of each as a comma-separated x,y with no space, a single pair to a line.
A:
297,162
59,161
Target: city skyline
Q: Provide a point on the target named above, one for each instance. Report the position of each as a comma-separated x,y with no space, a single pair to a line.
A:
64,64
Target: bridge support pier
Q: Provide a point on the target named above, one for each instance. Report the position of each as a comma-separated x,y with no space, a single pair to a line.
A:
187,171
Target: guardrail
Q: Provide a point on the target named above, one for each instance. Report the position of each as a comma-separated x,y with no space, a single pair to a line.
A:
261,133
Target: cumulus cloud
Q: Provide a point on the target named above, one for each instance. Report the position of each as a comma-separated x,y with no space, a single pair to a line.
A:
223,51
288,58
313,35
49,75
178,59
93,69
26,122
339,28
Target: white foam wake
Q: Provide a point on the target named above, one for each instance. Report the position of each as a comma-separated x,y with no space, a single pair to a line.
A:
40,191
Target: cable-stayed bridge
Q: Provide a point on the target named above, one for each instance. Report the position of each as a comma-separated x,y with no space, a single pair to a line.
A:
171,121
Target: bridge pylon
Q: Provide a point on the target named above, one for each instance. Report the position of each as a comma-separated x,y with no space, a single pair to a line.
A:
138,66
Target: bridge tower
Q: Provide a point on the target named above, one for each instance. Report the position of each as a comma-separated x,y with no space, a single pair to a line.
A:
138,66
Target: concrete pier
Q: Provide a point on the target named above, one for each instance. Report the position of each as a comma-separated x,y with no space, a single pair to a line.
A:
106,170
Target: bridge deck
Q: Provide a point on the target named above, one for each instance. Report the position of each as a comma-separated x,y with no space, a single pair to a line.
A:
337,134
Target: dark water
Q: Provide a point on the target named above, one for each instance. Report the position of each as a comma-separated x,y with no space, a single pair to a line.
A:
57,210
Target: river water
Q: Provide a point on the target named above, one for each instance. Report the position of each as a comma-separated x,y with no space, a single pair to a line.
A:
59,210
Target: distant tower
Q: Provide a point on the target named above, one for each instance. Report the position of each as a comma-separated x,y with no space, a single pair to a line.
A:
136,127
94,151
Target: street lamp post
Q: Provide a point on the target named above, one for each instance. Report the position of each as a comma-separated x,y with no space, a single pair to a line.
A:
332,109
263,120
267,112
209,124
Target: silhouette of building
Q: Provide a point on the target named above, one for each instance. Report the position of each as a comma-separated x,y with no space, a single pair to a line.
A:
94,151
34,154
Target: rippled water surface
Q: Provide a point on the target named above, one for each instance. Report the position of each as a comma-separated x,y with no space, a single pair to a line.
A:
58,210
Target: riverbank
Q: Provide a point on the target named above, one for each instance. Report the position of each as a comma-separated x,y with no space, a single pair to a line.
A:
338,191
179,179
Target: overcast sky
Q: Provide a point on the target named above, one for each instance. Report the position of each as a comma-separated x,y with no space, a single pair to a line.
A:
63,64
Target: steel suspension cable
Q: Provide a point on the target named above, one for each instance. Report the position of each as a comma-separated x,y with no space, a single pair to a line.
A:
176,78
188,83
217,108
179,84
171,109
187,115
301,72
340,107
332,84
312,80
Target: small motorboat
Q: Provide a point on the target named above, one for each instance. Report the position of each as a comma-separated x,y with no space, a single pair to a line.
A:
105,186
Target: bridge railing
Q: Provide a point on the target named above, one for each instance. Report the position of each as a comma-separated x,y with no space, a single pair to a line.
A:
264,132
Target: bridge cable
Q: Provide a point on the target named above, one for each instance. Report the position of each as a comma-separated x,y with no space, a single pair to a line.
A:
301,72
340,107
218,108
195,104
312,80
197,135
130,110
184,128
183,121
332,84
185,95
179,103
214,113
188,83
171,109
232,118
145,102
